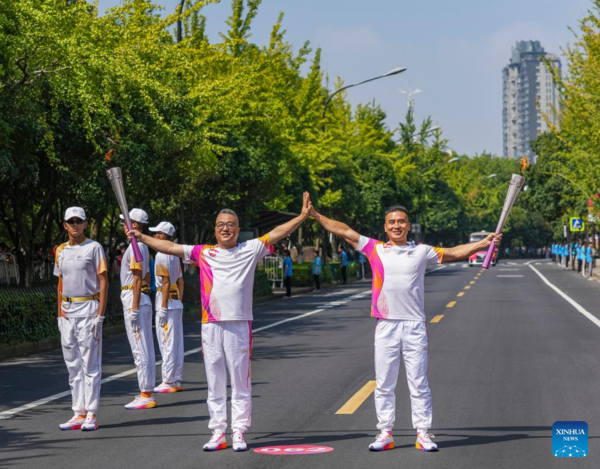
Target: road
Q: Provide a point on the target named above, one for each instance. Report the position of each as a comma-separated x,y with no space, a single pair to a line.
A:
508,357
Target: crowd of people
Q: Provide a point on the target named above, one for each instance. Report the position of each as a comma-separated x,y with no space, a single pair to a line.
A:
577,256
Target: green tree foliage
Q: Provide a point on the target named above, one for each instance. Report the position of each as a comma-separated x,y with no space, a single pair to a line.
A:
196,126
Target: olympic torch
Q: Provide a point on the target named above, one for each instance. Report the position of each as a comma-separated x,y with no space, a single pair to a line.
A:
116,181
515,186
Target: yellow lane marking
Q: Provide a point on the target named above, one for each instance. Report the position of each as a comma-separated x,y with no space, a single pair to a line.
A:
472,282
451,304
467,287
355,401
460,294
438,318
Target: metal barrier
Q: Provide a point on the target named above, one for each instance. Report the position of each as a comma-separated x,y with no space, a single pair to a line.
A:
273,266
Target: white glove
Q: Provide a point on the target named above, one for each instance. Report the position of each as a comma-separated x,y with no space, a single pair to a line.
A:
97,326
161,316
133,318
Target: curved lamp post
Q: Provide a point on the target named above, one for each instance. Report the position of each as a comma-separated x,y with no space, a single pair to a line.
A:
394,71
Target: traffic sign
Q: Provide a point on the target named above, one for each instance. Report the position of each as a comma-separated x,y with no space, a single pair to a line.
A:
576,224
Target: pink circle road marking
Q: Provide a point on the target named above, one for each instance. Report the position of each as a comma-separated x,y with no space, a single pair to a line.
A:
293,449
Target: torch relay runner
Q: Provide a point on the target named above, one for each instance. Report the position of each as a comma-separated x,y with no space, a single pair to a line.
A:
137,308
398,305
226,283
80,265
169,312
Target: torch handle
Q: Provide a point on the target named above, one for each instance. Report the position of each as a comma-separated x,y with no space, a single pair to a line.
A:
488,256
134,245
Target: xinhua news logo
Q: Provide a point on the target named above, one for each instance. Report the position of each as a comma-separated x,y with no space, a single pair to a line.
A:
570,439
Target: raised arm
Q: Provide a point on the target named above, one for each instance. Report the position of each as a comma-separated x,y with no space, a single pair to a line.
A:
283,231
337,228
160,245
463,251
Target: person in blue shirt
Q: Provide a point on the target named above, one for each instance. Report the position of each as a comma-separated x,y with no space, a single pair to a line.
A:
344,265
579,256
287,273
573,255
316,271
567,255
589,259
553,252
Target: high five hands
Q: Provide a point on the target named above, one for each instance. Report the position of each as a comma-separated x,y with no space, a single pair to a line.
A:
308,210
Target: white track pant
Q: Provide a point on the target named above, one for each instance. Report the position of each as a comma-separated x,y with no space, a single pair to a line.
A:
142,348
83,357
228,345
407,339
170,343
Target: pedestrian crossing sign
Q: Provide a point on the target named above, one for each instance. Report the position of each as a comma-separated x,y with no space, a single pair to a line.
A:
576,224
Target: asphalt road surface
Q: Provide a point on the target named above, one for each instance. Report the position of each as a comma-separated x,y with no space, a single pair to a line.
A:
509,356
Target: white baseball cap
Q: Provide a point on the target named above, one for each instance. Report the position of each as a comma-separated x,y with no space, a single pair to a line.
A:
164,227
137,214
77,212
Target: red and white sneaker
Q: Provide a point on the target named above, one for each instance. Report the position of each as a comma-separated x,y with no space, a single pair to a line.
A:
217,441
168,387
141,403
90,423
74,424
424,442
383,442
238,442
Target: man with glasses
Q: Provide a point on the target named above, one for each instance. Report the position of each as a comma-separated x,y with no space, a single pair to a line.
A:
169,312
80,265
226,283
137,308
398,304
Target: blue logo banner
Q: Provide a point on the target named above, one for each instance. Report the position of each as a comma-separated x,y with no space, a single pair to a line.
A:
570,439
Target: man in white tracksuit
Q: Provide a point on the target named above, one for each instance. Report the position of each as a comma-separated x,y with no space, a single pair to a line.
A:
398,304
137,308
226,282
80,265
169,312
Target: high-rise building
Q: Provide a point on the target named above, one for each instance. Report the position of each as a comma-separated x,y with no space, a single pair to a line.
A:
528,92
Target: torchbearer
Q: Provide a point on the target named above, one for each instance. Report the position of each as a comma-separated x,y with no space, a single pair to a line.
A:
169,312
80,265
398,304
226,281
137,308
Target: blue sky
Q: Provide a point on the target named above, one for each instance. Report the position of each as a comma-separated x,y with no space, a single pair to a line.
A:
454,50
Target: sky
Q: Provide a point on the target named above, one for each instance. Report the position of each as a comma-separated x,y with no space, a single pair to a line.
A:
454,51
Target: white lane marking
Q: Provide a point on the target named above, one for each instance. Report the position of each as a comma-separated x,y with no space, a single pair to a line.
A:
508,270
7,414
436,269
509,276
452,265
570,300
465,265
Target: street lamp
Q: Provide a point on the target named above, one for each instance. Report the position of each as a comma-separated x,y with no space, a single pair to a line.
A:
393,71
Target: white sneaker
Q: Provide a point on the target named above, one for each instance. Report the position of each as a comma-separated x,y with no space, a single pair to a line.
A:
424,442
74,424
168,387
217,441
383,441
238,442
90,423
141,403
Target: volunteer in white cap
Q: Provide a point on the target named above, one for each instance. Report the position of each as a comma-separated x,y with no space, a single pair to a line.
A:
226,281
135,296
80,265
169,312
